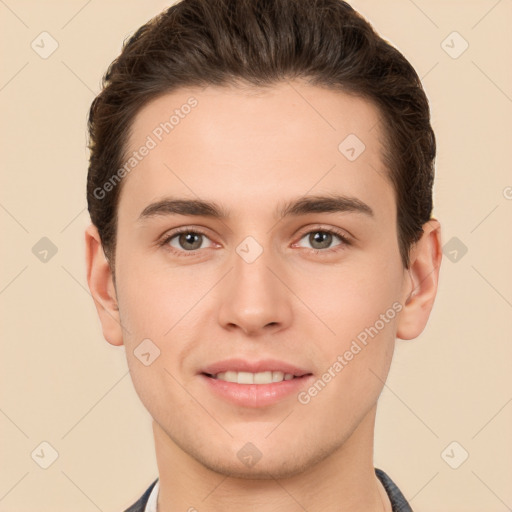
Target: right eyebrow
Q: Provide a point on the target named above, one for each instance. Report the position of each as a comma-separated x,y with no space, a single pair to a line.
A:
171,206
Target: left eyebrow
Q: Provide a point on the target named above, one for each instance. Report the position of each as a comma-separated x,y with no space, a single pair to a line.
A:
302,206
325,204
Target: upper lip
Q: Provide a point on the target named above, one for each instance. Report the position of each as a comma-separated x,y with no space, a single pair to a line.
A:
242,365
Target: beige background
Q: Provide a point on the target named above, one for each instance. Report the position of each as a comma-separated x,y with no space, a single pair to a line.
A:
63,384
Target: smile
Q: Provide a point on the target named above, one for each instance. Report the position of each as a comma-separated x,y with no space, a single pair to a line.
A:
265,377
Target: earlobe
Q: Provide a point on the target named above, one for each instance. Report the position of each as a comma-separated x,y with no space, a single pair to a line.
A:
101,285
421,288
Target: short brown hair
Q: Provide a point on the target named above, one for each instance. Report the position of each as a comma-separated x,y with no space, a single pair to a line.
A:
260,43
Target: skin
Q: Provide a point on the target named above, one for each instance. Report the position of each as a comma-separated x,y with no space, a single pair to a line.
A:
249,151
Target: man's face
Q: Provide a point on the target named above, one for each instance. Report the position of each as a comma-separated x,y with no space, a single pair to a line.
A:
254,285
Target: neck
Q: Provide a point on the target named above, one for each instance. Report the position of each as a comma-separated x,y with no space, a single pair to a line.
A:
343,481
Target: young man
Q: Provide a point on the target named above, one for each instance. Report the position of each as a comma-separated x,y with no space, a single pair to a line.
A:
260,189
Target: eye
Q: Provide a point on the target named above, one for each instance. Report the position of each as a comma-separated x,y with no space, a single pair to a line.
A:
320,240
186,240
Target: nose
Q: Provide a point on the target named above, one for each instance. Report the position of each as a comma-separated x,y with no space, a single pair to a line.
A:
254,298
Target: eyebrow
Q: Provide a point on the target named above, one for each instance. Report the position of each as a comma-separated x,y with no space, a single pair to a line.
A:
302,206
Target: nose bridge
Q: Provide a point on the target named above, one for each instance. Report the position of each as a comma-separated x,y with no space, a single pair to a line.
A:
254,297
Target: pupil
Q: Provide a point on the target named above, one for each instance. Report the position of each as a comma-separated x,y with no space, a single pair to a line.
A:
190,238
321,237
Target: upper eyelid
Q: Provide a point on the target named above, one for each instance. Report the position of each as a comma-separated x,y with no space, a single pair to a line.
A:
335,231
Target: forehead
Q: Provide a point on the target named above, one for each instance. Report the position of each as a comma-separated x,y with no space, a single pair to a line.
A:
250,148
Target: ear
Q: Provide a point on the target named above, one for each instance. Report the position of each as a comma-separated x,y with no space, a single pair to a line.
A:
420,291
101,285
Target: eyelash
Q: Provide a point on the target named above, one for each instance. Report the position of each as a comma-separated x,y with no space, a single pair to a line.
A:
181,253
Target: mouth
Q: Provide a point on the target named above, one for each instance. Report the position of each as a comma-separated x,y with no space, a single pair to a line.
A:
242,371
264,377
254,384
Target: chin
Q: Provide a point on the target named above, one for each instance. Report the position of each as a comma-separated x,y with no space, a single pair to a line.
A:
262,470
268,463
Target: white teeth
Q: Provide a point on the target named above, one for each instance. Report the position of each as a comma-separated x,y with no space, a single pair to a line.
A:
260,378
277,376
230,376
245,378
253,378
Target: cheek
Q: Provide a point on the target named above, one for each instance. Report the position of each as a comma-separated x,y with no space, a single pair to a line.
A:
349,297
158,388
153,299
358,305
355,360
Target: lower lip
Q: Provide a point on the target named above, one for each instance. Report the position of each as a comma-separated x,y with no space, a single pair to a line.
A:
256,395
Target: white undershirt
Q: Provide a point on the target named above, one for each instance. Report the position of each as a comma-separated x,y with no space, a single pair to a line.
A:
152,500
